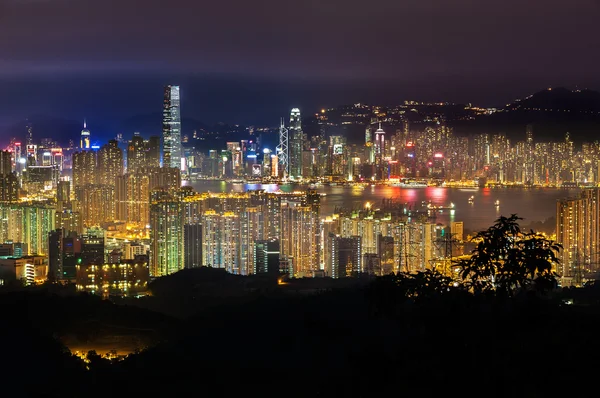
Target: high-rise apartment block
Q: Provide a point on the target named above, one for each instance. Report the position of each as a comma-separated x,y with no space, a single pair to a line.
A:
578,231
166,225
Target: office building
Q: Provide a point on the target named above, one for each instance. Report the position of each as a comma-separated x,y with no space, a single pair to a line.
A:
296,144
92,249
122,279
266,257
172,153
85,141
346,256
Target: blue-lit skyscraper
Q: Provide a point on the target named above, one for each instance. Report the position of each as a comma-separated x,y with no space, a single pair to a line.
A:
172,153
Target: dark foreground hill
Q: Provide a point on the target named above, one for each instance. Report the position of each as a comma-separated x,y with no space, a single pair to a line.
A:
350,339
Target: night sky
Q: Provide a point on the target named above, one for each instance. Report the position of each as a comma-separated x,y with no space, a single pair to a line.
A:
250,61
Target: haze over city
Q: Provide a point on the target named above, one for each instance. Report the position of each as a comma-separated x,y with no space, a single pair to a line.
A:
250,62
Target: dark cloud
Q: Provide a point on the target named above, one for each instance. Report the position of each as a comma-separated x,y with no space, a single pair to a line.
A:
347,38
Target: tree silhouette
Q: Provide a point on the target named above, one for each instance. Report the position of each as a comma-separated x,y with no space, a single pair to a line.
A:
507,259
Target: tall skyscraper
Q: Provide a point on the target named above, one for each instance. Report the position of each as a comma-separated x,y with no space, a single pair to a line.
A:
296,143
98,204
166,222
28,224
85,137
5,163
9,188
92,249
283,152
346,256
136,153
55,243
29,129
110,163
85,168
192,246
529,176
266,257
153,151
578,231
380,152
300,238
172,152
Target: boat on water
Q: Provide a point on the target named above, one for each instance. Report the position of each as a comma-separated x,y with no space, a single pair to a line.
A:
497,203
468,189
431,206
410,184
471,199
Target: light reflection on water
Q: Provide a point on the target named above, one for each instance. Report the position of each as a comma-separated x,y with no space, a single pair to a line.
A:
531,204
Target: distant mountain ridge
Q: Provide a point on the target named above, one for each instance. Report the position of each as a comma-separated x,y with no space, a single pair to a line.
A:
552,112
558,100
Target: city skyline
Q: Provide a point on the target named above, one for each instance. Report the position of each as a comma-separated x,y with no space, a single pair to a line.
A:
577,112
314,198
112,196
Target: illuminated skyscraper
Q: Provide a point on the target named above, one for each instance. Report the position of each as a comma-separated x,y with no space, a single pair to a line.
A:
300,238
162,177
28,224
282,157
5,163
70,221
136,153
85,168
85,137
578,231
97,204
266,257
192,235
110,163
385,249
166,223
346,256
153,151
380,152
9,188
529,157
133,198
29,129
296,142
172,153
